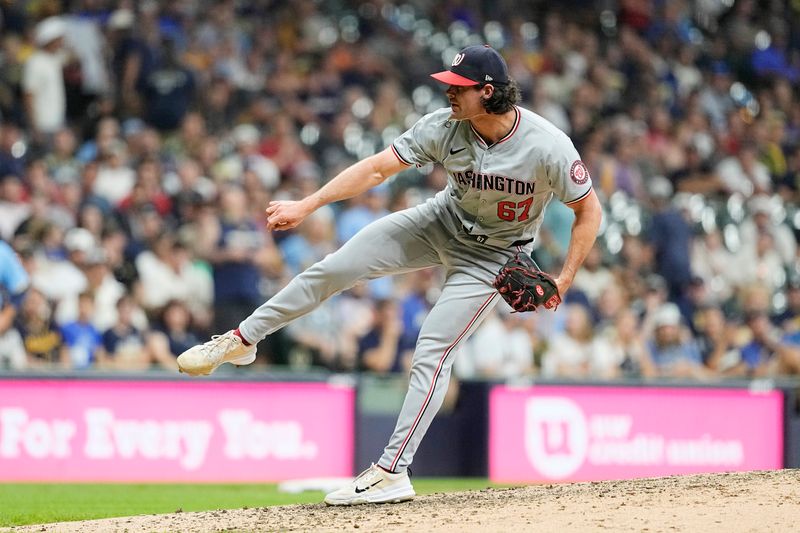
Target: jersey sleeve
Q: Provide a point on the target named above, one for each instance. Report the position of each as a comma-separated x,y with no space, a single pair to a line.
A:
569,176
421,144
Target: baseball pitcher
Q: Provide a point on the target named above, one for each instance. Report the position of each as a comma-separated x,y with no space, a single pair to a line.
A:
504,164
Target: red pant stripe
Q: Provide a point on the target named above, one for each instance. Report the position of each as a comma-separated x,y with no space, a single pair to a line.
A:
435,378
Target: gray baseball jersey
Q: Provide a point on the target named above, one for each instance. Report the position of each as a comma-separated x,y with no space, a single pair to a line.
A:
499,191
492,206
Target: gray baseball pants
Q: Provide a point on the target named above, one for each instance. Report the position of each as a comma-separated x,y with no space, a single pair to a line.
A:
423,236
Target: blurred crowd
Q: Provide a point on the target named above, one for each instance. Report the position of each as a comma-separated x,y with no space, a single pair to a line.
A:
140,142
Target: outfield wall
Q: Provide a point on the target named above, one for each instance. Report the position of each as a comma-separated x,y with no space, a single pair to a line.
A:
167,431
595,433
262,428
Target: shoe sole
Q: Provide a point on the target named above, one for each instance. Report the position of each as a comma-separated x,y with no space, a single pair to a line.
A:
241,361
384,498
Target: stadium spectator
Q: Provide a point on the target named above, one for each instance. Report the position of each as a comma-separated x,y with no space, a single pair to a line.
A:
86,74
765,220
312,241
770,352
613,300
671,347
669,236
14,205
43,80
123,345
713,262
247,158
362,210
696,175
58,272
146,191
104,289
237,242
61,162
761,262
577,353
115,179
753,299
135,56
743,173
382,349
715,339
714,98
168,89
187,188
502,348
417,302
628,346
167,273
634,267
357,305
82,348
171,336
317,341
593,277
282,145
626,173
39,331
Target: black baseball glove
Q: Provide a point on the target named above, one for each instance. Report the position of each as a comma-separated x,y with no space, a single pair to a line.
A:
524,286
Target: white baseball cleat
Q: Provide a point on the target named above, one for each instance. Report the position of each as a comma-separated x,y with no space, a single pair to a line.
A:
374,485
203,359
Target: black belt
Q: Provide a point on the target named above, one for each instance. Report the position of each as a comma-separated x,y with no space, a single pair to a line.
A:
522,242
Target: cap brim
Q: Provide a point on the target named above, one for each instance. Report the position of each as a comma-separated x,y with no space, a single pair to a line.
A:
451,78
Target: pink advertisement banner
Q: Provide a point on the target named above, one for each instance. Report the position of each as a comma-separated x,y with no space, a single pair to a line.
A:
596,433
139,431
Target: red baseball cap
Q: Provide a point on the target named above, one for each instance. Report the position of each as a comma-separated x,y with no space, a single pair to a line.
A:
475,65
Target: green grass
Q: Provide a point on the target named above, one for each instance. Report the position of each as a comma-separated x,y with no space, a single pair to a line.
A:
35,503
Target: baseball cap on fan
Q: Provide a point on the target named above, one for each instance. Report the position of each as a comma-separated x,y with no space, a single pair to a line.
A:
475,65
49,30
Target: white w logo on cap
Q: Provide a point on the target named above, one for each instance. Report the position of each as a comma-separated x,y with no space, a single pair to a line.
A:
458,59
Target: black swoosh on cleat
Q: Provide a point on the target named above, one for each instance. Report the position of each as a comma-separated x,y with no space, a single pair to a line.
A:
359,491
454,152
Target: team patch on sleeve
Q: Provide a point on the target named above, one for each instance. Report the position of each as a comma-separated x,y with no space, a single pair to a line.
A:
578,172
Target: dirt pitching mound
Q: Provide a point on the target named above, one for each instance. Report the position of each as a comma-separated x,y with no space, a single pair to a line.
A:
750,501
